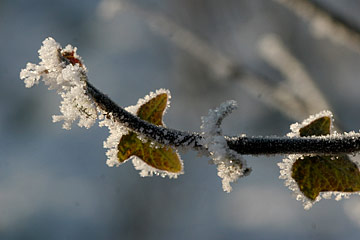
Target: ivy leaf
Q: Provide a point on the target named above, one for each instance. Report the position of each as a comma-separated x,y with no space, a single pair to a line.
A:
318,127
315,174
163,158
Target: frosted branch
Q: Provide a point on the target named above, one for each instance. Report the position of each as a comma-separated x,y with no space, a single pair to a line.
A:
58,70
63,70
161,135
335,144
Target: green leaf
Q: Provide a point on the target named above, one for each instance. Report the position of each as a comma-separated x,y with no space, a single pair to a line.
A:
163,158
318,127
315,174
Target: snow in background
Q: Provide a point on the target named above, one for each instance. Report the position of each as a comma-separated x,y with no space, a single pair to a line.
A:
54,184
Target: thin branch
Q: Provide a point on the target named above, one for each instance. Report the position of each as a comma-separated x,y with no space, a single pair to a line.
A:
336,17
297,80
301,145
337,144
159,134
325,23
223,67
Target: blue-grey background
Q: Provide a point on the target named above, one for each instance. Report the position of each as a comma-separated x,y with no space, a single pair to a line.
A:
54,184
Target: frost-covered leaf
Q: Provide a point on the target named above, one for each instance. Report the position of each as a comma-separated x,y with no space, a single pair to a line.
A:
163,158
318,127
314,175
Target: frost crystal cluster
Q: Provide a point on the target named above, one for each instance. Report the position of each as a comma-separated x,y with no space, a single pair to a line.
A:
116,130
230,166
62,70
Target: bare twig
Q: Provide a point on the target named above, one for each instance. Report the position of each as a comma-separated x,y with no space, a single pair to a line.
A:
325,23
224,68
297,79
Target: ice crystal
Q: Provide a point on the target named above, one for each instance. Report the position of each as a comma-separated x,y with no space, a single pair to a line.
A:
62,70
285,173
147,171
116,130
230,166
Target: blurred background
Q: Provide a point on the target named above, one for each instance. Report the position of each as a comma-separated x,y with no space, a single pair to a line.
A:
280,62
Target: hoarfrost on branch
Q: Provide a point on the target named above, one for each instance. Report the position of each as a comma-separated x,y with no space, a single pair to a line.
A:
229,163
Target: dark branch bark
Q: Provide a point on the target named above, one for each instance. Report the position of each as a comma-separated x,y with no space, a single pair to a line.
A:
301,145
242,145
157,133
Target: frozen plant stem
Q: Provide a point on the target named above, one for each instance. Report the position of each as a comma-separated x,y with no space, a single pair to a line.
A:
138,133
62,69
157,133
337,144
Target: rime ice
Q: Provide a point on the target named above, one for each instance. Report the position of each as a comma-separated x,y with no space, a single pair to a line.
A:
229,163
116,130
69,80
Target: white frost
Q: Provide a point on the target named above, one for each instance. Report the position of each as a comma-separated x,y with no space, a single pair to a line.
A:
68,80
116,131
285,173
230,166
148,171
63,71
